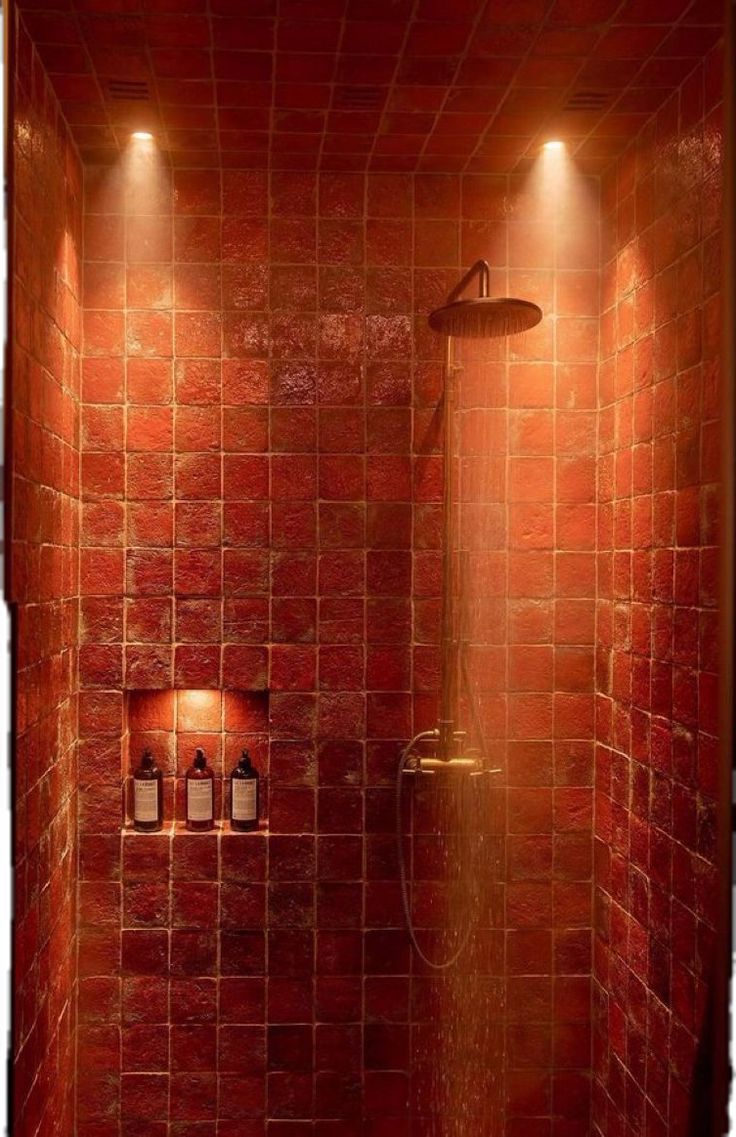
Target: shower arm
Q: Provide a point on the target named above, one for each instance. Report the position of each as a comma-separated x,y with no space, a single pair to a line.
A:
482,270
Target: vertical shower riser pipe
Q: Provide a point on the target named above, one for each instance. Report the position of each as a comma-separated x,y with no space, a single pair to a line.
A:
448,662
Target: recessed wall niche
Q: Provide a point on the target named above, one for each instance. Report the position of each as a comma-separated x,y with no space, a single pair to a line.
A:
172,724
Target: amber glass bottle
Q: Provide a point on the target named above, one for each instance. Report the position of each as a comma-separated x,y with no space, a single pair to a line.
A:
244,795
148,795
200,787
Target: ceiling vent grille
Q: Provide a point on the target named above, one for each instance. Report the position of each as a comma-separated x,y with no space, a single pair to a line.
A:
128,89
359,98
587,101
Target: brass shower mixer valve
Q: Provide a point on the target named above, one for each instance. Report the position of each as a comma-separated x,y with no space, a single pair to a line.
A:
414,762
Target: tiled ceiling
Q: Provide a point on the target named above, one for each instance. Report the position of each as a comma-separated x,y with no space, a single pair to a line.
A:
439,85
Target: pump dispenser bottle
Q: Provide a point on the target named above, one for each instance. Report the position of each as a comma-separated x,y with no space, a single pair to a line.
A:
200,794
244,795
148,795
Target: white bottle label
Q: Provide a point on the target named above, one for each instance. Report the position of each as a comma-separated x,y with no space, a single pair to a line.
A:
145,799
245,799
200,805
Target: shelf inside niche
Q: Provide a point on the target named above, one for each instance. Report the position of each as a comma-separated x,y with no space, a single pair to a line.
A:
179,829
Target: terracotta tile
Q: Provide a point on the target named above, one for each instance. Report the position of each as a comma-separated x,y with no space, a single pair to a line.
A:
603,433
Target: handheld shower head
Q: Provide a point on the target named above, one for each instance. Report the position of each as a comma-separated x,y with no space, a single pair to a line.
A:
483,316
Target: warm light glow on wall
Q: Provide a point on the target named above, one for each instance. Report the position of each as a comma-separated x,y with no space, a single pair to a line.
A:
198,710
560,194
199,699
143,175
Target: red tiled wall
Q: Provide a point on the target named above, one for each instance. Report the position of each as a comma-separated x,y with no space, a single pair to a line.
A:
657,627
43,486
261,496
247,451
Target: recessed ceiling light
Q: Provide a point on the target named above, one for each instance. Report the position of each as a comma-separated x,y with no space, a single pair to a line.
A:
142,135
554,144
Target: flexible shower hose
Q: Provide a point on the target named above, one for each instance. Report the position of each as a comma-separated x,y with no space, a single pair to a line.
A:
442,966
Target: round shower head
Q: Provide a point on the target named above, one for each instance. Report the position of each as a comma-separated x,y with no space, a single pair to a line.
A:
485,317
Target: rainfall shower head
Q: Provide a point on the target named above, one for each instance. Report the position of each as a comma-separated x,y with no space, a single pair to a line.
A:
483,317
